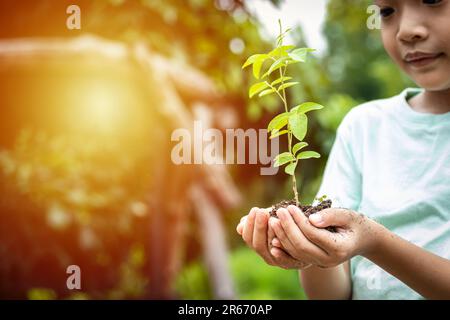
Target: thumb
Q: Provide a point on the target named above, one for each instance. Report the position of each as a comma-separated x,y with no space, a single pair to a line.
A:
240,226
330,217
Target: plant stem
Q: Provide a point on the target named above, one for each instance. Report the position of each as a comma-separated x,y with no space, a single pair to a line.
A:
286,109
294,180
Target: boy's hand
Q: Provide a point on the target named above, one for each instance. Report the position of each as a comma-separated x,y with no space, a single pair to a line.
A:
355,234
258,236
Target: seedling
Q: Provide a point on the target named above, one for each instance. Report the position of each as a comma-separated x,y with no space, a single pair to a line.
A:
293,122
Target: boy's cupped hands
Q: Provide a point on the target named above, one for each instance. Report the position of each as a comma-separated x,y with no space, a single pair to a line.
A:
294,241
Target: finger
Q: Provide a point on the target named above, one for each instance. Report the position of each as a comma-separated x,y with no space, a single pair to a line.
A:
282,259
309,247
260,235
247,233
240,226
276,243
281,235
273,240
270,234
292,230
331,217
320,237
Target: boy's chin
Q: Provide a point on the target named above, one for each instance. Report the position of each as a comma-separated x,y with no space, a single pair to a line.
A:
433,83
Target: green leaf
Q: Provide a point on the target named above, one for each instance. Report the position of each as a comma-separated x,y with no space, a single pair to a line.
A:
252,59
277,133
287,62
266,92
279,80
298,146
278,121
283,158
300,54
257,87
290,168
257,68
308,154
287,85
281,51
281,36
291,62
298,122
306,107
276,65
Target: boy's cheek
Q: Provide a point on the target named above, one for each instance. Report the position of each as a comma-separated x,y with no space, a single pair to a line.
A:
436,80
390,43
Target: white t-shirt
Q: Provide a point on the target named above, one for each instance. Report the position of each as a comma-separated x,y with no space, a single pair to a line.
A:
392,164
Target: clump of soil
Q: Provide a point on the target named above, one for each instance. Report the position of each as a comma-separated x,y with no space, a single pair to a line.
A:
306,209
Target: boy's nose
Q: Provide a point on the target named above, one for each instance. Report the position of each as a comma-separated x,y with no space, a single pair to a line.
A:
412,34
411,29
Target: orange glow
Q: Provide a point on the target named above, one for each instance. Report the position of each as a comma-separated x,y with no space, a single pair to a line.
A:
101,108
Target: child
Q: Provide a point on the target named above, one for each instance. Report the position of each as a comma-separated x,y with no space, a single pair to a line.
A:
391,163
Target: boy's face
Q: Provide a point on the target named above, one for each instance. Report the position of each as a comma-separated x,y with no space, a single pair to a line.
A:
416,34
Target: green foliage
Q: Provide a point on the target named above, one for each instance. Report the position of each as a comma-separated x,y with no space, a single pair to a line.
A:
192,282
298,146
253,279
356,61
256,280
283,158
306,107
298,124
295,119
322,198
41,294
308,155
56,196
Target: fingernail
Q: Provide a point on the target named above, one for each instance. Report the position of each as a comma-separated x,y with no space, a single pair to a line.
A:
294,209
259,217
316,218
272,221
280,212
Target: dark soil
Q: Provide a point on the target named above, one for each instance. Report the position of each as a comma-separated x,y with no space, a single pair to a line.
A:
306,209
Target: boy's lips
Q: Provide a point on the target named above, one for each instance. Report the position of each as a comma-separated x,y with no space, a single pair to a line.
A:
419,59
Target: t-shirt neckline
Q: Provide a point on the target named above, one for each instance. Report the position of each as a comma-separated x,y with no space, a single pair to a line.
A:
410,114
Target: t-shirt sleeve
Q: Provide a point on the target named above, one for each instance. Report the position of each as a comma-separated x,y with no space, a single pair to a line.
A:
341,180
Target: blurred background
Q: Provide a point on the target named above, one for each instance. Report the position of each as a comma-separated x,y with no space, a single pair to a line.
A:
85,123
